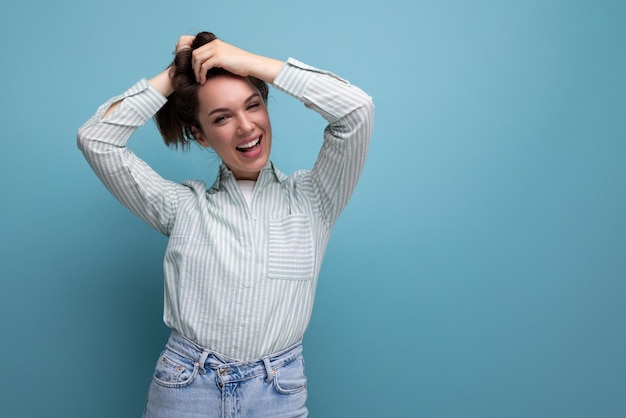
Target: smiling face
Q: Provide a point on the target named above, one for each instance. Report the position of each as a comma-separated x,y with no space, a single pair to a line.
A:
234,122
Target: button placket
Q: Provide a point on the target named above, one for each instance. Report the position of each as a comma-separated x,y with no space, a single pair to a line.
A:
222,372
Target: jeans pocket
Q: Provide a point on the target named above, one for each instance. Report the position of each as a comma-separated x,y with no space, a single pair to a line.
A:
291,254
290,379
174,371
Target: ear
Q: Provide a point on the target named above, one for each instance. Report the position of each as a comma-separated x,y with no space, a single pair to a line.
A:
200,137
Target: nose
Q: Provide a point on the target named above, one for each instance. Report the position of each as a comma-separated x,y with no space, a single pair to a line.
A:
246,125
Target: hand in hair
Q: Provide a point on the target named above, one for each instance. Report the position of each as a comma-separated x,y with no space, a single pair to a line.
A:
163,81
184,42
218,53
196,58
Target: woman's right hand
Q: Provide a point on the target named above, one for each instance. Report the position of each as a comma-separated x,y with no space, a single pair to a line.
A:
184,42
163,81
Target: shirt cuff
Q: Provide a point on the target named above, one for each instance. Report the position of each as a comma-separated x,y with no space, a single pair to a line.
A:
144,99
295,76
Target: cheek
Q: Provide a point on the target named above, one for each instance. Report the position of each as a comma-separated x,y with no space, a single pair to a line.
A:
265,121
216,135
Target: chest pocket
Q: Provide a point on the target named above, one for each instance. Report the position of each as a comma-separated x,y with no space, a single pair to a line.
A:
291,254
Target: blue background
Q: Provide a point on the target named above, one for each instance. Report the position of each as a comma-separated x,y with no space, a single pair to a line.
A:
479,270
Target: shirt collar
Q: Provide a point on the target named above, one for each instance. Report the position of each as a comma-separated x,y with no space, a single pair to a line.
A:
268,174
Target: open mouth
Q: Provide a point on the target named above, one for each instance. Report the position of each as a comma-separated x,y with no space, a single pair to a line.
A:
250,146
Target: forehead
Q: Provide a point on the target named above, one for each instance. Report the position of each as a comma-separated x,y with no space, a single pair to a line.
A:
224,91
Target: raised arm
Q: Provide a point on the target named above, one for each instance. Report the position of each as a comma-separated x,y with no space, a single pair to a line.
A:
162,82
350,115
103,138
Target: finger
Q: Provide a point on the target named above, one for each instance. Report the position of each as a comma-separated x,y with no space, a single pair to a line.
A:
196,62
202,61
184,42
195,65
204,69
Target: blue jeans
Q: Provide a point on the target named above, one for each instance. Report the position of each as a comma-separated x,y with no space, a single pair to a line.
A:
191,381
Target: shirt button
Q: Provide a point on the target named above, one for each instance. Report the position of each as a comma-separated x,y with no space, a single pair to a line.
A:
247,284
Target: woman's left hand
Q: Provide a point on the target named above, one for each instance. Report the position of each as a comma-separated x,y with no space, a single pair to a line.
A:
218,53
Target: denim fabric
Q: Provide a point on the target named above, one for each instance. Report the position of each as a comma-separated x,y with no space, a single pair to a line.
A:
190,381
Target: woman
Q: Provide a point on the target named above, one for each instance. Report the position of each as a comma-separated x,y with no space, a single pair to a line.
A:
243,256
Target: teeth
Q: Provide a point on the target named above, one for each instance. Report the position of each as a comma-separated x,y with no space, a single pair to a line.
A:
250,144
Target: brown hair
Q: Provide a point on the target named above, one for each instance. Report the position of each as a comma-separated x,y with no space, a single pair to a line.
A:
180,113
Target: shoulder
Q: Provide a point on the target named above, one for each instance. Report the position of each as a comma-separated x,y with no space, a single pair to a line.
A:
195,187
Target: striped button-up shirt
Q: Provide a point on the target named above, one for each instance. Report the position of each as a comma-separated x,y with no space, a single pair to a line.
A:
240,278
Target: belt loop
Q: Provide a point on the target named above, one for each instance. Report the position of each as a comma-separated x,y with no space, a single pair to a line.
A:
202,361
268,369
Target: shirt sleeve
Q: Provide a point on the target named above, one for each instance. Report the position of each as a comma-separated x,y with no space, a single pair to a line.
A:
350,115
103,143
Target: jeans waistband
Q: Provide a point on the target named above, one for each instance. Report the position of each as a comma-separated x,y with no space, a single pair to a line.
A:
231,370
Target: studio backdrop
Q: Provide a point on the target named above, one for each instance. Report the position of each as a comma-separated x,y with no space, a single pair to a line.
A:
478,271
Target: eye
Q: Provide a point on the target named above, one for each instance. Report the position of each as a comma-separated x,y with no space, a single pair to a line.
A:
220,119
253,105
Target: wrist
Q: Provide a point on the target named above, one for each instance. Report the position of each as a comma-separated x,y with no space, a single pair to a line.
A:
162,83
267,69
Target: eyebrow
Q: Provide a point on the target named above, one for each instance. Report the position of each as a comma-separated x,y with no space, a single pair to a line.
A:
225,109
